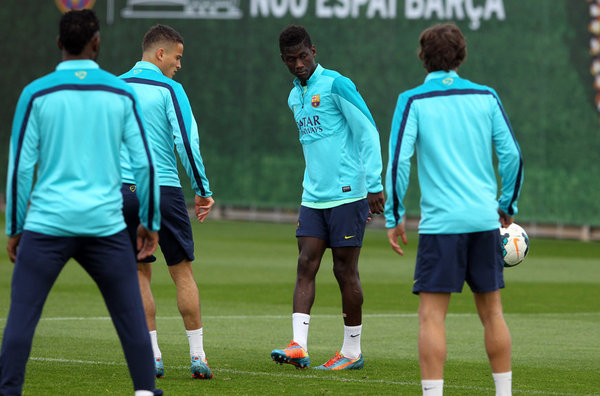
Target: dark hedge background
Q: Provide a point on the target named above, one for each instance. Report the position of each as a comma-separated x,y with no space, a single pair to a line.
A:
537,59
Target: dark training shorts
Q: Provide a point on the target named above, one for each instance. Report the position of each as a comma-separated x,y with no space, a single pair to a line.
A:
340,226
175,236
446,261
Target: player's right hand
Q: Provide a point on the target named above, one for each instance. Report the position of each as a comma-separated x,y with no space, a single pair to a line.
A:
203,206
12,245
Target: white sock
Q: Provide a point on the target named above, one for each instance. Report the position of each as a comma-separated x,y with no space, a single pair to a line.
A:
432,387
155,348
351,346
503,383
196,343
144,393
300,324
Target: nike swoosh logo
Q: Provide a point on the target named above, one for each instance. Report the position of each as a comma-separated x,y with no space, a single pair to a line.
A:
305,323
349,236
429,388
354,335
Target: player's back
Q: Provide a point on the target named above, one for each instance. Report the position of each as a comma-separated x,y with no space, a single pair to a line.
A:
160,99
74,124
454,151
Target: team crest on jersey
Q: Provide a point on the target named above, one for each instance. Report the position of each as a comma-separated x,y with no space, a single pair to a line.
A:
68,5
137,71
448,81
80,74
315,101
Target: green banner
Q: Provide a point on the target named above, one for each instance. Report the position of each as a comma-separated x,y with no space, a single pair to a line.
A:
539,55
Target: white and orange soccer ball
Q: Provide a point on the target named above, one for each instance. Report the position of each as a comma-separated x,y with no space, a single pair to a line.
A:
515,244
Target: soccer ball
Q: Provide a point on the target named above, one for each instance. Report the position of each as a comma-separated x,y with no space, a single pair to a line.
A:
515,244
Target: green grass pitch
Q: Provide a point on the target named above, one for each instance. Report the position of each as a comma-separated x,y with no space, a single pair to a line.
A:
246,273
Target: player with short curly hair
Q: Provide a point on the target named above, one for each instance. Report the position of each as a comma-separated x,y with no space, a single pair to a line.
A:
453,123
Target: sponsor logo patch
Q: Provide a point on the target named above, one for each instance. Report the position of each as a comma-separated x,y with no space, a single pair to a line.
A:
80,74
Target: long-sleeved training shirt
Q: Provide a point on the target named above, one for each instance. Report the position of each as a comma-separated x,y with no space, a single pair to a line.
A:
453,124
339,139
170,124
71,125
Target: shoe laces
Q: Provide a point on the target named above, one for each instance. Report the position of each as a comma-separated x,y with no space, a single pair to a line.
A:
199,359
334,359
295,351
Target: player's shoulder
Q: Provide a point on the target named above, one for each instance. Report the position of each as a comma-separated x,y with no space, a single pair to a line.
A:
145,75
41,83
336,78
331,74
108,79
339,83
413,93
466,83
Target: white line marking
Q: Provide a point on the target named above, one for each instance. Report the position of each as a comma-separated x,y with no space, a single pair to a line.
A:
391,315
300,376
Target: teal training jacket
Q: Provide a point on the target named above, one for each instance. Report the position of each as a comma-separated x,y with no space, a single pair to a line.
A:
170,125
71,125
339,139
453,125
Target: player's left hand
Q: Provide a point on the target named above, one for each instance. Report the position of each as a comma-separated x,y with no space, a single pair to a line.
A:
203,206
12,245
505,220
147,242
394,234
376,202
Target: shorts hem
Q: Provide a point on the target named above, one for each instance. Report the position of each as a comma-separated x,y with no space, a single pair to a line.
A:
179,259
488,291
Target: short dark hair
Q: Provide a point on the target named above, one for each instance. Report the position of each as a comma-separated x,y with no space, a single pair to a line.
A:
442,47
76,29
159,34
292,36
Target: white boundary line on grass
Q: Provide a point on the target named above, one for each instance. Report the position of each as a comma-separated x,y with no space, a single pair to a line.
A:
300,376
391,315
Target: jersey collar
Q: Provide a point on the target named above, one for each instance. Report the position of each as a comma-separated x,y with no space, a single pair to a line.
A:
77,64
314,77
440,74
148,66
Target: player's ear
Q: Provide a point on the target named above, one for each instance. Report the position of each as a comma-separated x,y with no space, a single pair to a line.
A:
159,54
313,49
96,42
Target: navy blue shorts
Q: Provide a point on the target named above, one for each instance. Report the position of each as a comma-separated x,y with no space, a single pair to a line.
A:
446,261
340,226
108,260
175,236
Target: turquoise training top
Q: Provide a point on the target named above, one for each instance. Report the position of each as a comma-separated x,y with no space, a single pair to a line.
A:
453,124
170,124
71,124
339,139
